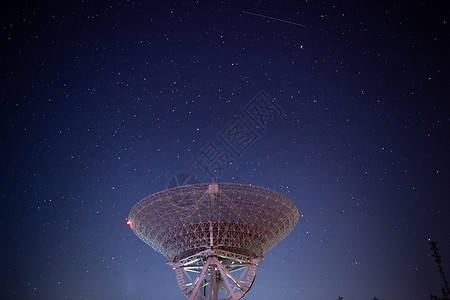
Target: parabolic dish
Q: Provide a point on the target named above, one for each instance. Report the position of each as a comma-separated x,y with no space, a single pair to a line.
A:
186,220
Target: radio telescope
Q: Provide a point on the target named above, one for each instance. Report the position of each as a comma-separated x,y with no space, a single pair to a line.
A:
214,235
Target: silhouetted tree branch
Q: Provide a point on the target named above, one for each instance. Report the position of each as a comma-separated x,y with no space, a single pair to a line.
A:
437,259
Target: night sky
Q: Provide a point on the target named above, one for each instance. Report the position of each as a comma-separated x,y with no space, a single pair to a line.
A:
103,103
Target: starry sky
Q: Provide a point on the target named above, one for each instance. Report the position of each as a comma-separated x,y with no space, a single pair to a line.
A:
104,103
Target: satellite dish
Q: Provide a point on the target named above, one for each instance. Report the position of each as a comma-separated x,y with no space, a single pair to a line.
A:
214,235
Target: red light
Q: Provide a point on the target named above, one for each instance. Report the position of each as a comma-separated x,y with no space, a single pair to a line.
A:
129,223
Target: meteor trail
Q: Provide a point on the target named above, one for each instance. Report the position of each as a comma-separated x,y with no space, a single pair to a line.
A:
276,19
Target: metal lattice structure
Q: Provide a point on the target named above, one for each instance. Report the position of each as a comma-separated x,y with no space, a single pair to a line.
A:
214,235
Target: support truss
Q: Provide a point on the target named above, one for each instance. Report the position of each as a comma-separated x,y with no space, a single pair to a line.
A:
215,277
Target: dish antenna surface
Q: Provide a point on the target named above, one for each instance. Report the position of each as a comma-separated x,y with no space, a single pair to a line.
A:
214,235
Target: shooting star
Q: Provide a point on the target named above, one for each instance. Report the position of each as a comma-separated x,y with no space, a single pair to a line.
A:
276,19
